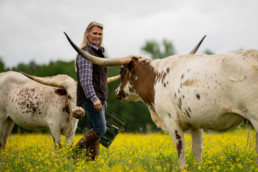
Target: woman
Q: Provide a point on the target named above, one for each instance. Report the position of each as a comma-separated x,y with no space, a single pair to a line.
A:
92,90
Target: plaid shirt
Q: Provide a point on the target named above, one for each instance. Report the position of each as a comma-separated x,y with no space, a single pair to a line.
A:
85,69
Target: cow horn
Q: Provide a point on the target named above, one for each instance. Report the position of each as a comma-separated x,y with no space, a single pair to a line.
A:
197,46
43,81
113,78
100,61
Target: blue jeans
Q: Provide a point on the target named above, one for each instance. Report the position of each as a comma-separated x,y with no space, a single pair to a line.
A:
96,119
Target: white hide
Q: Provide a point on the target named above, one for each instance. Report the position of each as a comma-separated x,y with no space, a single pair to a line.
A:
218,92
34,106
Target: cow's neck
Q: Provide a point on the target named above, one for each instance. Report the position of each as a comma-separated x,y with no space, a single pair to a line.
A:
144,83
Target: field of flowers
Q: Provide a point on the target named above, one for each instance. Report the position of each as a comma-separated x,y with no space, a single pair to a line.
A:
229,151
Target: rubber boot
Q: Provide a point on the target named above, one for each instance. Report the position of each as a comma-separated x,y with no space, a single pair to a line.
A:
93,151
85,142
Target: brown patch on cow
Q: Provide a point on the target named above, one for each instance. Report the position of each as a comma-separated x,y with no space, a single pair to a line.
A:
66,108
179,143
162,76
198,96
30,102
168,70
143,85
190,82
179,103
60,92
187,113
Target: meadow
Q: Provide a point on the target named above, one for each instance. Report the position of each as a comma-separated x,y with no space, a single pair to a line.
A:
229,151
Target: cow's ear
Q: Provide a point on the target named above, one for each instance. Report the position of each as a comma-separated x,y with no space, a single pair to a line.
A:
60,91
132,65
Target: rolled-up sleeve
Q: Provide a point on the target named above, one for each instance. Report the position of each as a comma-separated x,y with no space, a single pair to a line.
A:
85,72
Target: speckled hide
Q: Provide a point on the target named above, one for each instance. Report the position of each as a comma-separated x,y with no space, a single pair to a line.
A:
32,105
194,92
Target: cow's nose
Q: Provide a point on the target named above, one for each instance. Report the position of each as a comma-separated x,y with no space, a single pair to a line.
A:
78,114
117,94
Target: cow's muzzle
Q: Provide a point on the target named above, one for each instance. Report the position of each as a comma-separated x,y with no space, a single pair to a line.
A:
78,114
117,94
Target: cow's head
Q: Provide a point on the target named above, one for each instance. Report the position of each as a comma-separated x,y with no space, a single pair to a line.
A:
65,86
135,84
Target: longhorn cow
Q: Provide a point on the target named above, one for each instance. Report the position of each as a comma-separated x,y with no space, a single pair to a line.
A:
38,102
191,92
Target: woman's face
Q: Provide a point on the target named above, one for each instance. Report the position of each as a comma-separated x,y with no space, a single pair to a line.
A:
95,36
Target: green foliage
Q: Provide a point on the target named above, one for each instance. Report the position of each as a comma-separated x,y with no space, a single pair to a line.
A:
209,52
159,51
2,66
53,68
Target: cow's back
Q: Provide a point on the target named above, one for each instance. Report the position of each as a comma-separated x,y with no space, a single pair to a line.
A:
7,81
211,88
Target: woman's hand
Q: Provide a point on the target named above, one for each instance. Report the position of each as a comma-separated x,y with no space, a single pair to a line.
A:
97,105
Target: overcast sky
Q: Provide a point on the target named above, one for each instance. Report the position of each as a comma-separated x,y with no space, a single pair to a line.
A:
33,29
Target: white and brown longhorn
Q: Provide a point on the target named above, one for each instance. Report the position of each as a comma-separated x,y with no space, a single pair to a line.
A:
47,103
191,92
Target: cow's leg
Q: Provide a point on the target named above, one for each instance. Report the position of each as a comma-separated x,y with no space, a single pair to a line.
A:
177,135
69,140
197,138
254,122
256,149
8,126
2,121
55,132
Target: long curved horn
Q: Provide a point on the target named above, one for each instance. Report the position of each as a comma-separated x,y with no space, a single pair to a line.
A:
100,61
113,78
197,46
43,80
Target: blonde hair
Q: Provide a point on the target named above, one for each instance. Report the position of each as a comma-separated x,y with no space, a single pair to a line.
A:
85,41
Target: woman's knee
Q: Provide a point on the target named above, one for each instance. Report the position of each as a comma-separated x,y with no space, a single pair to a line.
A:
101,130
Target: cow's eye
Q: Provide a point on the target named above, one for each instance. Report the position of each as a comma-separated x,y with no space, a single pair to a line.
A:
69,97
